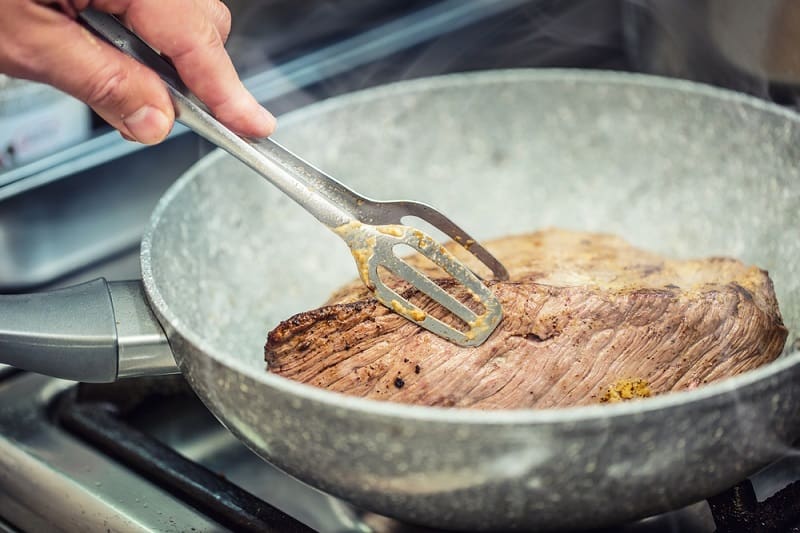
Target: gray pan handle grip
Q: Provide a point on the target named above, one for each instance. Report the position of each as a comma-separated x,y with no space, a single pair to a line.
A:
94,332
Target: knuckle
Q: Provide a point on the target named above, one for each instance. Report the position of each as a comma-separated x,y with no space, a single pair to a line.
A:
107,88
226,110
207,38
223,15
210,38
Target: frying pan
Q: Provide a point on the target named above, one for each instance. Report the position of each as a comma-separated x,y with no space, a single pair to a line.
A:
673,167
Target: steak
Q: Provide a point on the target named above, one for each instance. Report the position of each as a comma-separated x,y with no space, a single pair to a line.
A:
587,318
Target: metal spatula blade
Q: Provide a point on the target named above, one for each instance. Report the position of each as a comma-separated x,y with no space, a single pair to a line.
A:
373,247
372,229
395,212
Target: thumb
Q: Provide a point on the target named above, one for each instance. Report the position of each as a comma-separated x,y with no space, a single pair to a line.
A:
128,95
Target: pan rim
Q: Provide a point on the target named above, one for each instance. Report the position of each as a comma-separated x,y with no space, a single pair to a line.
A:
458,415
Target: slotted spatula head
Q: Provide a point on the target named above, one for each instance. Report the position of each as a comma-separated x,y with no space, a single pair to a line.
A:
373,246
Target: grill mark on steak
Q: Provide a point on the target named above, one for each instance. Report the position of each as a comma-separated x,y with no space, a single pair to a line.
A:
582,312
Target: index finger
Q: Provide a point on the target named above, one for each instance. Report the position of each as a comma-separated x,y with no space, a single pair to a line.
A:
182,31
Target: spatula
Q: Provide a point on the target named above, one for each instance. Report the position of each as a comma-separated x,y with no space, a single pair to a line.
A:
372,229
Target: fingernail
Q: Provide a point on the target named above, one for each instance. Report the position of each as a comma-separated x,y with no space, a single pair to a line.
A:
148,125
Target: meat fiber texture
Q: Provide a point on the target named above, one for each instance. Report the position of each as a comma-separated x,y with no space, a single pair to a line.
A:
588,318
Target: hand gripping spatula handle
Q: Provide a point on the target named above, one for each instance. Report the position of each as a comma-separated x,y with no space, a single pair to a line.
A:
372,229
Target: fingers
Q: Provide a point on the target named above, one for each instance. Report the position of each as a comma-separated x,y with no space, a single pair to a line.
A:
192,33
53,49
43,44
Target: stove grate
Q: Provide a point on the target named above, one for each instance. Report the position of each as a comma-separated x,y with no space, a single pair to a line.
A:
205,490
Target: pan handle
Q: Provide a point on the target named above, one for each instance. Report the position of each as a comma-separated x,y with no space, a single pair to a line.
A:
95,332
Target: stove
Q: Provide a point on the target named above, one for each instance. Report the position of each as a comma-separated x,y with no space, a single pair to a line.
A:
144,454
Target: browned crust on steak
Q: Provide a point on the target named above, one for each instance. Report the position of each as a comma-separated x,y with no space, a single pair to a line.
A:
582,312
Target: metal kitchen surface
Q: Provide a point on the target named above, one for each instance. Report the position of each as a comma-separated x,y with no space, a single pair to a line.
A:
145,455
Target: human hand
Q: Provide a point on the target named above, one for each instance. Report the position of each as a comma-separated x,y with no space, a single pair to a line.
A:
43,44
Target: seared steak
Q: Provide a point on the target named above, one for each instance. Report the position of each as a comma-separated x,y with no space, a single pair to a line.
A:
588,318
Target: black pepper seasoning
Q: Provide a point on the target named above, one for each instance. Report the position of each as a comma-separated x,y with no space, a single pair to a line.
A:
398,382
